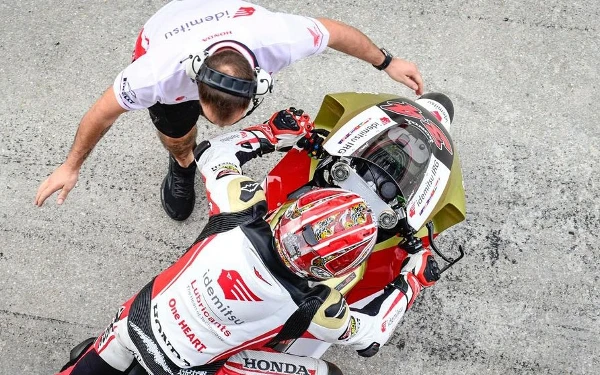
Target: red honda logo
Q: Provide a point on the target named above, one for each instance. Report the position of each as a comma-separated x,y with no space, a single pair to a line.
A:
244,11
316,34
234,287
411,211
403,109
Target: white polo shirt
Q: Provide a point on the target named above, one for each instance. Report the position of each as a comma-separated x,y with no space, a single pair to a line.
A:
184,27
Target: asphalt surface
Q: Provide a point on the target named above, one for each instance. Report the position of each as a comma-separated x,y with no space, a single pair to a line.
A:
523,76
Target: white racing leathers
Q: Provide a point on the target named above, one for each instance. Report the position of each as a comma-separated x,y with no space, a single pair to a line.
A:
221,305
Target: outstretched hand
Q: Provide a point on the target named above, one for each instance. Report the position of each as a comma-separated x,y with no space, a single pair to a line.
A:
406,73
63,178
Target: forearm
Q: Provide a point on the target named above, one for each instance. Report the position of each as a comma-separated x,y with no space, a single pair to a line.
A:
87,136
351,41
94,124
220,161
370,327
236,148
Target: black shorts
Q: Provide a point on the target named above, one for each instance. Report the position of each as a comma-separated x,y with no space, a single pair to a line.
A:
175,120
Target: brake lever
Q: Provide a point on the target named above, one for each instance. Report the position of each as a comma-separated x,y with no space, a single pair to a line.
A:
451,261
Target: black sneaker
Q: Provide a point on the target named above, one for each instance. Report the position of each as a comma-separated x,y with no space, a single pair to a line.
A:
177,192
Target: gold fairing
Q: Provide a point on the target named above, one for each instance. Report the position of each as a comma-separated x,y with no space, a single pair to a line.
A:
335,112
450,209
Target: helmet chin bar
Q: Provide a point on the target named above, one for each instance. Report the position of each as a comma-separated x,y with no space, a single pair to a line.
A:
346,177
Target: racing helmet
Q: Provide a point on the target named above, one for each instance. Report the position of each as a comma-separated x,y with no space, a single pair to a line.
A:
325,233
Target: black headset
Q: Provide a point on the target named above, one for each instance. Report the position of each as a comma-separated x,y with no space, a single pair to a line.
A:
255,89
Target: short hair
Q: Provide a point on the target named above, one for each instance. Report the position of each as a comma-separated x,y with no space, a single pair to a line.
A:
223,104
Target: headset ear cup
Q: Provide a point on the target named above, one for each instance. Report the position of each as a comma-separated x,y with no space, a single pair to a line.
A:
264,83
193,64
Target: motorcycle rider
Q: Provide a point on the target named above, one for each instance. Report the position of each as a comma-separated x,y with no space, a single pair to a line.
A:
245,284
239,45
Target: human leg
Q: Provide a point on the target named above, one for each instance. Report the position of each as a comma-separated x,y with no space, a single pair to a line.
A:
181,149
106,355
177,131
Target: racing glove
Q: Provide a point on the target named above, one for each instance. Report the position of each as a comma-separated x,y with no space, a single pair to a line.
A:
423,266
285,128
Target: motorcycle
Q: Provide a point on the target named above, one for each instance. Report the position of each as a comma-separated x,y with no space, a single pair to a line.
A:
395,153
398,155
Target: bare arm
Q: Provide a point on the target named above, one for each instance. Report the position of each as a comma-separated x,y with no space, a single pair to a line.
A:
94,124
353,42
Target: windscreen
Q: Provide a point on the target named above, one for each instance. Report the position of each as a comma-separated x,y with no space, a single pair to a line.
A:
403,152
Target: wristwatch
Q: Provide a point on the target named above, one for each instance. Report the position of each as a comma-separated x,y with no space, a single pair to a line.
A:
386,62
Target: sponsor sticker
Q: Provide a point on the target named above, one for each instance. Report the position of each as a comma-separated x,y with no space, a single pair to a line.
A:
205,314
156,323
109,331
422,202
404,109
320,272
358,131
244,12
347,280
276,367
185,328
127,94
193,22
248,189
229,286
353,326
225,169
437,110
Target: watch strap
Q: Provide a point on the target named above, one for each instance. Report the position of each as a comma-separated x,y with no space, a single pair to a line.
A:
386,61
